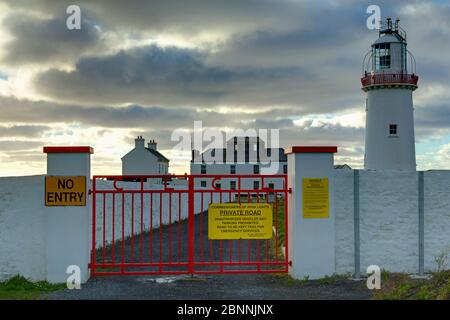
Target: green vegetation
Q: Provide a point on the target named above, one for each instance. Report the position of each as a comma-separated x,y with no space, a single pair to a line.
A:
333,278
328,280
280,220
273,250
20,288
396,286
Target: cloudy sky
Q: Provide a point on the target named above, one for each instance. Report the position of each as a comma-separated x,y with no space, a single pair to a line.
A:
150,67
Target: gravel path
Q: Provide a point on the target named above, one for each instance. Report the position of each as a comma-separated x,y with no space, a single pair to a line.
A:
214,286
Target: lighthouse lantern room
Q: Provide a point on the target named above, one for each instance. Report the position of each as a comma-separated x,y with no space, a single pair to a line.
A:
389,79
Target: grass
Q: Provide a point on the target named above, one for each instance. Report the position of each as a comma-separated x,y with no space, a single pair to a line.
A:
333,278
395,286
20,288
279,215
327,280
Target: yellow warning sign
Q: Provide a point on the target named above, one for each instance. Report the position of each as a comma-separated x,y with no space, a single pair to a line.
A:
65,191
239,221
316,199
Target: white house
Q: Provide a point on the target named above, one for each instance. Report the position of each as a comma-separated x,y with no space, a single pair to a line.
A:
144,161
242,156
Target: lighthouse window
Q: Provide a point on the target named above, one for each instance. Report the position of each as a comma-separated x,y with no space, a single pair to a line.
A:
393,129
382,56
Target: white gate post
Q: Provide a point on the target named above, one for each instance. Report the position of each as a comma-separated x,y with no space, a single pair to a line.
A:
311,224
68,227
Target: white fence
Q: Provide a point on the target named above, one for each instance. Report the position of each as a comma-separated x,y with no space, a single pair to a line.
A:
388,221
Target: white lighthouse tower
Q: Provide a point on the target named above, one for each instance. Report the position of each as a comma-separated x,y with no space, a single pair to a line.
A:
389,80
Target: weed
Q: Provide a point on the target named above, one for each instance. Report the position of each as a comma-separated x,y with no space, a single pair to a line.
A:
20,288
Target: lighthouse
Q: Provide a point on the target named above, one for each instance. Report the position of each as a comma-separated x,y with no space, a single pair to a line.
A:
389,79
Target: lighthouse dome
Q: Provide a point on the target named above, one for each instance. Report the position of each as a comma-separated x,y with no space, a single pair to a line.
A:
387,38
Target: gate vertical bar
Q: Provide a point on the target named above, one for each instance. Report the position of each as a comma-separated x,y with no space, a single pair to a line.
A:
421,223
93,262
191,225
356,223
286,225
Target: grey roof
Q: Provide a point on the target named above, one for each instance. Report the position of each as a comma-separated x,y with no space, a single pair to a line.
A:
158,155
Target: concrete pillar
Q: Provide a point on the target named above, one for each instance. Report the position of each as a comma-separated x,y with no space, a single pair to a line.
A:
311,223
68,227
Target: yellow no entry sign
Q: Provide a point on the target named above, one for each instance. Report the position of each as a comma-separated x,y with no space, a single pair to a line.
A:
65,191
239,221
316,198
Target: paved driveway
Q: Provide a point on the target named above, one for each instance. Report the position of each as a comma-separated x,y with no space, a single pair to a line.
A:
213,286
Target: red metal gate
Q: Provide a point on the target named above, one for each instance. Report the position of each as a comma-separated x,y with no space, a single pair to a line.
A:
158,225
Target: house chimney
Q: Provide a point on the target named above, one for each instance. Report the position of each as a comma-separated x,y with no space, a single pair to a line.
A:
152,145
139,142
196,156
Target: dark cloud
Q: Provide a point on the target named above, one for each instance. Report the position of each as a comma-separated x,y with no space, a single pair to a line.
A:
176,16
294,58
14,145
432,121
42,40
23,130
171,77
311,61
132,116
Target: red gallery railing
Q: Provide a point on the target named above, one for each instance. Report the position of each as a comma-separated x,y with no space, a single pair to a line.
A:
158,225
389,78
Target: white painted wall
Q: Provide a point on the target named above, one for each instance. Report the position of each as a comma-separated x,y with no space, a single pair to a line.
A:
23,221
22,227
389,219
141,161
311,241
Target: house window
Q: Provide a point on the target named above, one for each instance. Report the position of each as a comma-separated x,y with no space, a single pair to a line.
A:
232,169
256,169
203,169
233,185
203,184
269,152
393,129
285,169
256,185
218,185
